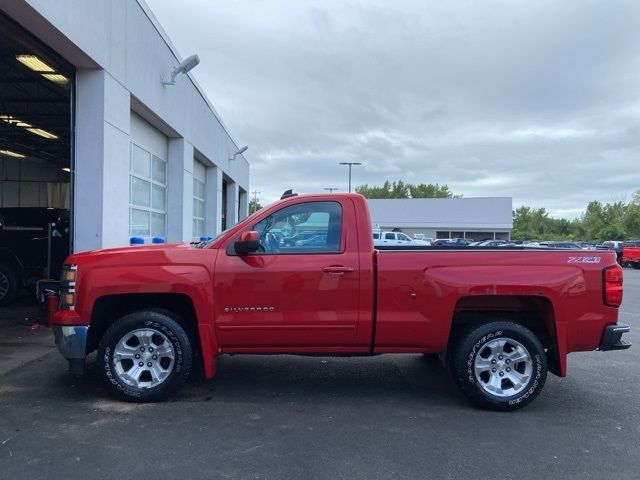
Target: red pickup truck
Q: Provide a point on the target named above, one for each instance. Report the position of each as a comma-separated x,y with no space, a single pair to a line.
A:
500,318
631,253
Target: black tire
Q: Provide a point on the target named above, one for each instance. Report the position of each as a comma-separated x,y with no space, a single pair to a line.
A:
170,331
8,285
475,343
636,265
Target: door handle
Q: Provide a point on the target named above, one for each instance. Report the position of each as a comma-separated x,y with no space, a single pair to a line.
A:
337,269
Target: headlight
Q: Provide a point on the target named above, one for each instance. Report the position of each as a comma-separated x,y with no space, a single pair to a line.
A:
68,287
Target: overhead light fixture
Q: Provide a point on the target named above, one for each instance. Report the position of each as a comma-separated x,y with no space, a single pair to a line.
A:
14,121
11,120
11,153
185,66
56,78
43,133
34,63
239,152
66,169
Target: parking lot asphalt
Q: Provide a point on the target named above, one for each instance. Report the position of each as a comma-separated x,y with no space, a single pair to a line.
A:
286,417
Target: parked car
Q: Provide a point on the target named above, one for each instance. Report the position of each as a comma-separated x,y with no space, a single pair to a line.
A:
396,238
461,241
489,243
423,238
292,240
503,318
561,244
442,242
316,240
631,254
26,250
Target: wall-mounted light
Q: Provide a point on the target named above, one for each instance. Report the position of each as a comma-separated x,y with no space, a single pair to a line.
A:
185,66
239,152
11,153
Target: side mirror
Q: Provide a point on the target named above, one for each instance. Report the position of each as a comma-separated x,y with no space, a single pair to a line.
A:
249,242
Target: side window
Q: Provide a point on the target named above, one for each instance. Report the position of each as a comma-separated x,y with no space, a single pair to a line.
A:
403,237
389,236
311,227
376,236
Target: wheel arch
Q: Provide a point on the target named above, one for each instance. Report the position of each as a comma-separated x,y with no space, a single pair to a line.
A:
537,313
107,309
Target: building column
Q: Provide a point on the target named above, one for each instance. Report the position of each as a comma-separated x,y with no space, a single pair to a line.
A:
213,201
101,162
232,203
243,210
180,191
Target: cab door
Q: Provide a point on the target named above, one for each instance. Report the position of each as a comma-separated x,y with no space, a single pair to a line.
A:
301,288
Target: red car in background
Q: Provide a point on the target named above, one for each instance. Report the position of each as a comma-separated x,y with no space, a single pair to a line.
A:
631,253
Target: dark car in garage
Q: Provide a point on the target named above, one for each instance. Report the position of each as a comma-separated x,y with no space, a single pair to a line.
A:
34,242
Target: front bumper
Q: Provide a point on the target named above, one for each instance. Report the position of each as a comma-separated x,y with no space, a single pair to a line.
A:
72,343
612,338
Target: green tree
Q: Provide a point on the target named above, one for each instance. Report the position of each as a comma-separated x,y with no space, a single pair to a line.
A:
611,232
399,189
254,206
430,190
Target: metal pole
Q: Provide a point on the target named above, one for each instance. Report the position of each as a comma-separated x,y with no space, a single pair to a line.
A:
48,268
350,164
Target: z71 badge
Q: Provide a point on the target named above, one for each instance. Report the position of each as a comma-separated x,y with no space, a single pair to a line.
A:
583,260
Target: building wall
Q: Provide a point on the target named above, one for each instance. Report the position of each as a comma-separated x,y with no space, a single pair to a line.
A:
477,218
122,55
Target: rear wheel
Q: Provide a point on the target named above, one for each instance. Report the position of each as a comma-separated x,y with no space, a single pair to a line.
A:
8,285
500,365
145,356
636,265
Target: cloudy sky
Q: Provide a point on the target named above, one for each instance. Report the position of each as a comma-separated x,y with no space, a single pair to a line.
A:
538,100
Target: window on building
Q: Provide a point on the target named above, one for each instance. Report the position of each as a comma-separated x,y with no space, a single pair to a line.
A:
198,199
147,194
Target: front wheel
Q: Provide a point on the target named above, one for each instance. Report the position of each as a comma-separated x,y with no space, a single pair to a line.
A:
145,356
500,366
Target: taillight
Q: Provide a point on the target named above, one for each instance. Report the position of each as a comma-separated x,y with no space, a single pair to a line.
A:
612,286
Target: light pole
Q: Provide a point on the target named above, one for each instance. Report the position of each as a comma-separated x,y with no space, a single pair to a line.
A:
331,189
351,164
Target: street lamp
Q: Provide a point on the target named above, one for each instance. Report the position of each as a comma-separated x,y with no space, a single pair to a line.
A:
331,189
350,165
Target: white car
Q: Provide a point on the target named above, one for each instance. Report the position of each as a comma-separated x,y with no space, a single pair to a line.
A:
422,238
395,238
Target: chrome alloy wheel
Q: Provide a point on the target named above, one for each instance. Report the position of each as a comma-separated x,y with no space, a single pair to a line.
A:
503,367
143,358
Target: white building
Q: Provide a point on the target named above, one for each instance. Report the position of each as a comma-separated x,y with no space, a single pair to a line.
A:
86,124
477,218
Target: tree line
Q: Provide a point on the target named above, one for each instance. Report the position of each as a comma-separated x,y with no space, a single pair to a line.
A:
599,222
